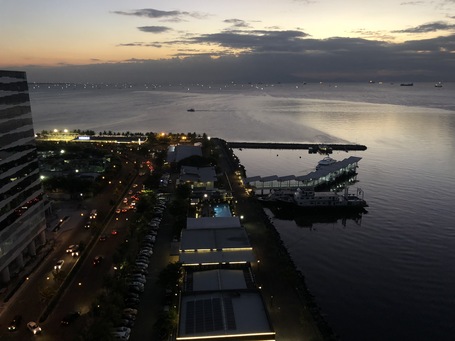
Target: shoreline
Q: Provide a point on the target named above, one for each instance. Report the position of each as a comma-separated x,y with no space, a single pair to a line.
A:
292,308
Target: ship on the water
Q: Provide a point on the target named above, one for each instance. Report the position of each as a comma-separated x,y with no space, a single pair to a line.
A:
325,162
308,198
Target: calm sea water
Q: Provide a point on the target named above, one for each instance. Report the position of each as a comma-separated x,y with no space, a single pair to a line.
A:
386,276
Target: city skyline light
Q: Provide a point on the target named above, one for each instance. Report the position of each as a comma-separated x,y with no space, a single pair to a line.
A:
293,40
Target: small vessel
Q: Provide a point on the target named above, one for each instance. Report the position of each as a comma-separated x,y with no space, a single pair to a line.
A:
325,162
191,110
308,198
406,84
324,149
438,85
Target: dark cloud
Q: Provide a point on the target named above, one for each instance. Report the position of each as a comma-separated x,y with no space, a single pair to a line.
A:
237,23
158,14
152,13
430,27
154,29
141,44
270,56
256,40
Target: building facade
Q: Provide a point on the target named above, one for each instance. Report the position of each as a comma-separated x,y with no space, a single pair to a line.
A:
22,217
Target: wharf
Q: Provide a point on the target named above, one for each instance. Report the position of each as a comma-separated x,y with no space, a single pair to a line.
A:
323,148
337,171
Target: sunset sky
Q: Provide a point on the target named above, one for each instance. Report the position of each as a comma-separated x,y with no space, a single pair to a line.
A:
240,40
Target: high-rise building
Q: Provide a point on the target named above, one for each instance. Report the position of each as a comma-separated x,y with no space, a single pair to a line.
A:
22,217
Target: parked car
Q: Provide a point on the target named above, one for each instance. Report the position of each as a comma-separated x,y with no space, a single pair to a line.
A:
132,303
127,323
135,288
148,242
70,318
33,327
138,280
132,295
137,284
141,271
144,253
122,330
129,317
15,323
103,238
141,264
120,335
130,311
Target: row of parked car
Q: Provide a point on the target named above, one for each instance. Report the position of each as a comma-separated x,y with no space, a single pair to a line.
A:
137,277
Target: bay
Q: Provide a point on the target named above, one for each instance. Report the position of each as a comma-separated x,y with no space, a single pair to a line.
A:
386,276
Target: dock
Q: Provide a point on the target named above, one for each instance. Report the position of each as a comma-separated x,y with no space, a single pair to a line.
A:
318,178
325,148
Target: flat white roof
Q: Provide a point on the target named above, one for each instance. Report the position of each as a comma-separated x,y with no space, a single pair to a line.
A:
223,315
218,279
216,257
180,152
212,223
214,239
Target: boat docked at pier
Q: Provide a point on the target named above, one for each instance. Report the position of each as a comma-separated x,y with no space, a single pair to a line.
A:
325,162
308,198
279,196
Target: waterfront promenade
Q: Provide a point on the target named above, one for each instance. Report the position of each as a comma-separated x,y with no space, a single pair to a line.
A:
293,312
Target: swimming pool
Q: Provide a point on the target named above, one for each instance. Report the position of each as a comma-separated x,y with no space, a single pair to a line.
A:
222,210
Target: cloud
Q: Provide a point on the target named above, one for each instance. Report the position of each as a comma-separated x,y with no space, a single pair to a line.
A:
140,44
237,23
412,3
154,29
256,40
158,14
430,27
375,35
273,55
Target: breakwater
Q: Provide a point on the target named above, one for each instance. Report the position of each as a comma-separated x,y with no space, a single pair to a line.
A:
310,146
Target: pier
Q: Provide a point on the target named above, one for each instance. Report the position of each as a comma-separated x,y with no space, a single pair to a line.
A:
325,148
323,177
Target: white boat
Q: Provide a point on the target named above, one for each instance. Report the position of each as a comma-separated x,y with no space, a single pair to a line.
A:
325,162
308,198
